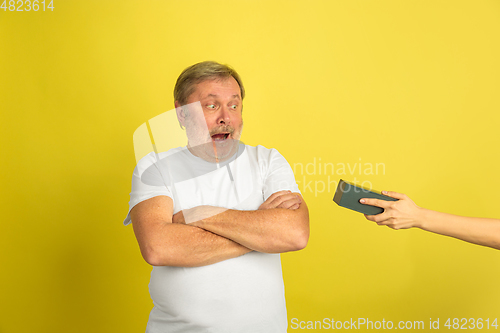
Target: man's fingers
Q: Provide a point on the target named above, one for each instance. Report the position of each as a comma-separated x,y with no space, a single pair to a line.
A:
282,199
289,203
275,195
278,200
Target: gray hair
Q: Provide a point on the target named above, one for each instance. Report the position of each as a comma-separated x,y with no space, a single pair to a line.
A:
206,70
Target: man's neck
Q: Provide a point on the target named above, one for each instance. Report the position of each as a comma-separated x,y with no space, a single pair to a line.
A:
208,152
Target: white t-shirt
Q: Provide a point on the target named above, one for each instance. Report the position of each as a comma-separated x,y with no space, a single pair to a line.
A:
239,295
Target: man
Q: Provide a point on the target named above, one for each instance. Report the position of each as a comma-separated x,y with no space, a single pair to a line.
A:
214,231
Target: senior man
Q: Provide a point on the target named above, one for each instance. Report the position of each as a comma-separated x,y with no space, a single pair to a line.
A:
214,230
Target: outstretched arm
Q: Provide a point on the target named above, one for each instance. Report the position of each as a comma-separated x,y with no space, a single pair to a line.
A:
404,213
281,224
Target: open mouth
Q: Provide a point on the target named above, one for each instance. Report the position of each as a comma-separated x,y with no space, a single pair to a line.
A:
220,136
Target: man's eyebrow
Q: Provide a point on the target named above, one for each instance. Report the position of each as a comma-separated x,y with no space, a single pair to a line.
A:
214,95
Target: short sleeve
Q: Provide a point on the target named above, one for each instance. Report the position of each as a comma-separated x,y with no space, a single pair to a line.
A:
148,181
278,174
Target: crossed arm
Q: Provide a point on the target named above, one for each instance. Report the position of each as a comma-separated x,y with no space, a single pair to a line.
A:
404,213
280,224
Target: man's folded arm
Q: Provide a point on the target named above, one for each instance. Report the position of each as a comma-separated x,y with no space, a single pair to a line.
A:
281,224
164,243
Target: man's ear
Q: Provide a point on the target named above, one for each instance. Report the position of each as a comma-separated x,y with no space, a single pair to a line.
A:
181,115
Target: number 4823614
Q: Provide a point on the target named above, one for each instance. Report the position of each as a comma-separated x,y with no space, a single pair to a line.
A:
471,323
26,5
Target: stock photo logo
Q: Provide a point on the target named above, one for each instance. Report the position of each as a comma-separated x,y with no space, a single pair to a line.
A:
318,177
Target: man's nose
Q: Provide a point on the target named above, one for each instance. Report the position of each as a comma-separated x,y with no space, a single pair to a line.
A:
224,116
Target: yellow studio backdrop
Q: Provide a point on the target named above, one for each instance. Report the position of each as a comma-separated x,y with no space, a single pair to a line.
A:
400,95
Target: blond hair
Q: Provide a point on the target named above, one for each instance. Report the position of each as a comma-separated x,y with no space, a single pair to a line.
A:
206,70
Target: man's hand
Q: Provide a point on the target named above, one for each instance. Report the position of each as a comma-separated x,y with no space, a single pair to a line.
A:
178,218
282,199
281,224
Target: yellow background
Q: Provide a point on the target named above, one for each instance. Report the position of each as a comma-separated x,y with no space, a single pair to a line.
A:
410,84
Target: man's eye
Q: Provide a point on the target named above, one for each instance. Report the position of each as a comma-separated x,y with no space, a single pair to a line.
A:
211,106
234,107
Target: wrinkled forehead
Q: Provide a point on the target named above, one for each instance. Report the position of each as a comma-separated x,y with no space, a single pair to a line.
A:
225,87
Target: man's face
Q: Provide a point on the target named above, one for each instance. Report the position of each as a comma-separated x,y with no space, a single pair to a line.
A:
217,133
